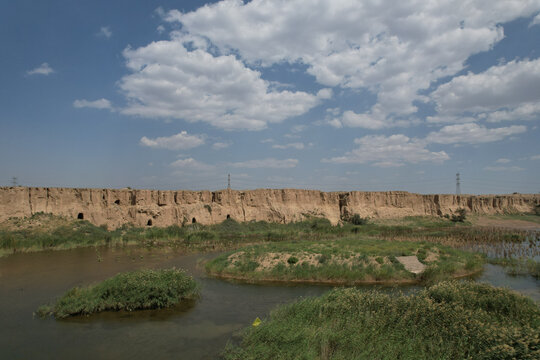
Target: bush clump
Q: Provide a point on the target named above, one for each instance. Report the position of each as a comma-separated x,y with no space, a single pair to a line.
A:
460,215
141,289
451,320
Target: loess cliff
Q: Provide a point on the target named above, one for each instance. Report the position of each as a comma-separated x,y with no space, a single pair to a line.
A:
115,207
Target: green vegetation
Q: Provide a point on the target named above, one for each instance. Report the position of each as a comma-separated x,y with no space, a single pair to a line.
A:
460,215
451,320
45,231
141,289
342,261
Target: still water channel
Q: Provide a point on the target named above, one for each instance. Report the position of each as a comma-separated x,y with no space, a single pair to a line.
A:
192,331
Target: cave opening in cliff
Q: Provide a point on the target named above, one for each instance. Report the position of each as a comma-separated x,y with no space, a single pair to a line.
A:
228,216
193,221
80,216
117,202
149,223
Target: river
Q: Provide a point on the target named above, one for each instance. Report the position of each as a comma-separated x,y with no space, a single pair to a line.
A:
198,330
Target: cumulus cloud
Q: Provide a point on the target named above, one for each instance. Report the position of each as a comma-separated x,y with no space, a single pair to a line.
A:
170,81
297,146
180,141
394,150
472,133
220,145
190,164
535,21
393,51
269,163
504,92
96,104
105,31
43,69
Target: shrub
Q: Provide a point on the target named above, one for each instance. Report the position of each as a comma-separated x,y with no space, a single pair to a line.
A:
292,260
459,216
141,289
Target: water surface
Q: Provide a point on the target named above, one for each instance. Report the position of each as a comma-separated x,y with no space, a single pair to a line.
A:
197,330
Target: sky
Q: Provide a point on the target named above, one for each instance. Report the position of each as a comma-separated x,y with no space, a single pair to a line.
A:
319,94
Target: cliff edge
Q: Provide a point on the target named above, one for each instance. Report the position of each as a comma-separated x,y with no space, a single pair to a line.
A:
115,207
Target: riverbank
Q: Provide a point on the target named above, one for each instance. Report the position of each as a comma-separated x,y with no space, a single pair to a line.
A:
451,320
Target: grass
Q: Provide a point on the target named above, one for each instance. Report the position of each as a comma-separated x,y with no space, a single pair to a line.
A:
46,231
342,261
141,289
451,320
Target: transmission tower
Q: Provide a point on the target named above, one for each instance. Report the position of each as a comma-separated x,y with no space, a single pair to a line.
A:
14,181
229,182
458,188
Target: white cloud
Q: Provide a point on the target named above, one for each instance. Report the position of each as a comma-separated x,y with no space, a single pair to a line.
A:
169,81
160,29
266,141
504,92
220,145
392,50
96,104
43,69
180,141
190,164
269,163
535,157
503,168
394,150
472,133
503,161
535,21
105,31
367,121
297,146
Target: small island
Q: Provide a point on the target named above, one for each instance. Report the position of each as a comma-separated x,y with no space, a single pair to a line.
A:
346,261
137,290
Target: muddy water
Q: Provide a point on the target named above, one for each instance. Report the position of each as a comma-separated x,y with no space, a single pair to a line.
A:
192,331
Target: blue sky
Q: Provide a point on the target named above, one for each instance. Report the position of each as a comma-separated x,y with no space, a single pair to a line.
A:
329,95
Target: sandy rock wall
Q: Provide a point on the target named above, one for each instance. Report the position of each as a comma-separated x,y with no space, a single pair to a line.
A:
115,207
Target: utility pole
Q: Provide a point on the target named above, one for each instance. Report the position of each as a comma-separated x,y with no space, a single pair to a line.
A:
458,188
14,181
229,182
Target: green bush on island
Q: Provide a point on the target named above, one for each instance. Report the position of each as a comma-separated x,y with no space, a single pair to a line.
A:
343,261
141,289
450,320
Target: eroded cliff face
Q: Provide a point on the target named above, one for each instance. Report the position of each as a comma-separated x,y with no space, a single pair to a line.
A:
115,207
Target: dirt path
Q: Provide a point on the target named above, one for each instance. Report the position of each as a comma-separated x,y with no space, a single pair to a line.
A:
411,264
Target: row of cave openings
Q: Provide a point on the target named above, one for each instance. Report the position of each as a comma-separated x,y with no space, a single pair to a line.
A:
80,216
193,221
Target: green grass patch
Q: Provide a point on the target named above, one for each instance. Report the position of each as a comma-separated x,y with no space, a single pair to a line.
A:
342,261
141,289
451,320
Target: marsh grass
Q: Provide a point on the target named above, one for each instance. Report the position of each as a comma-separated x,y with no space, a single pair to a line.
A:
46,231
141,289
342,261
451,320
